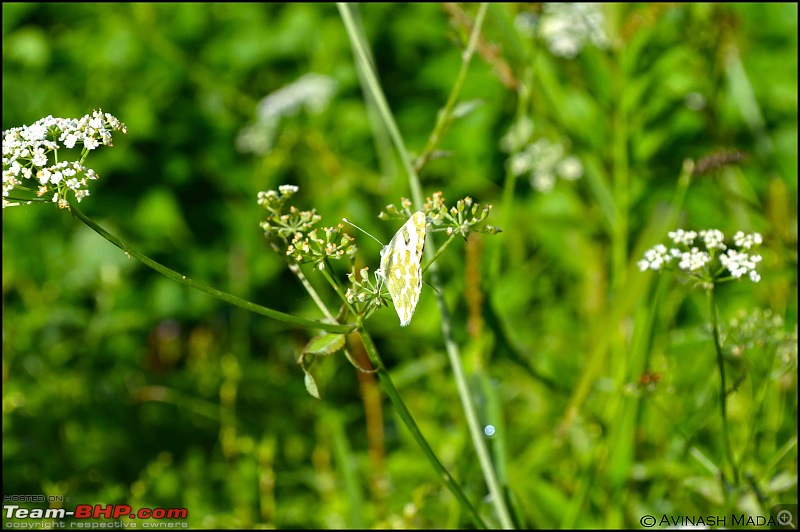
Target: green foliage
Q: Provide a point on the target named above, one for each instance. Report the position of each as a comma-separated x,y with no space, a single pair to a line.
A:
601,382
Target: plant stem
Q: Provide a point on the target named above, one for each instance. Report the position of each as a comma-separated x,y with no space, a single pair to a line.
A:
408,420
443,118
224,296
478,440
295,269
726,441
438,252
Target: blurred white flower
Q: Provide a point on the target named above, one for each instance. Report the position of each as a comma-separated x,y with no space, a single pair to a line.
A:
570,168
311,92
567,27
695,101
542,159
517,135
543,182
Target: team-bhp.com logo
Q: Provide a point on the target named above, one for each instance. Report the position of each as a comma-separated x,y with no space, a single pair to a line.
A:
118,511
93,511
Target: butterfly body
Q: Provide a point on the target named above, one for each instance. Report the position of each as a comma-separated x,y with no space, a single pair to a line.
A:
401,266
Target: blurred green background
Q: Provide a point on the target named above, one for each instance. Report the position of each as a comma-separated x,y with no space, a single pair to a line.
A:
121,386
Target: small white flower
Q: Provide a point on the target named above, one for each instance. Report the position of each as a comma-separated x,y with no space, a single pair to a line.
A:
39,156
519,163
740,264
14,169
91,143
683,237
44,176
693,260
655,258
70,140
747,241
570,168
713,239
56,177
265,197
517,135
543,182
567,27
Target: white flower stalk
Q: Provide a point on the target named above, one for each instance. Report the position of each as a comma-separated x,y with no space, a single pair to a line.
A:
705,256
27,153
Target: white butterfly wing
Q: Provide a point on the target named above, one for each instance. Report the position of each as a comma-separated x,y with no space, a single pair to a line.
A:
401,266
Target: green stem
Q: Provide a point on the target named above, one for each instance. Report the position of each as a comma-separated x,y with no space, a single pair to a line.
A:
621,188
224,296
443,118
478,440
438,252
295,269
408,420
726,442
374,88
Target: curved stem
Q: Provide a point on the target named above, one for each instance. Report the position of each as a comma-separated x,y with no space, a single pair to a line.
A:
224,296
408,420
438,252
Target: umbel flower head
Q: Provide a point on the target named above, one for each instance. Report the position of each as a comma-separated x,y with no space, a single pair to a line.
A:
296,234
31,157
465,216
705,256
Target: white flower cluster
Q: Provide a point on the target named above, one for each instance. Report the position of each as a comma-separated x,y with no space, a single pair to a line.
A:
267,197
542,160
741,264
312,92
567,27
698,260
26,153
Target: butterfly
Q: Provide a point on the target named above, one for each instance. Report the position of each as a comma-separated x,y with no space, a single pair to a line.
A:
400,267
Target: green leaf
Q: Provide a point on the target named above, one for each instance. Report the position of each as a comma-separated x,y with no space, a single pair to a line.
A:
311,385
464,108
326,344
